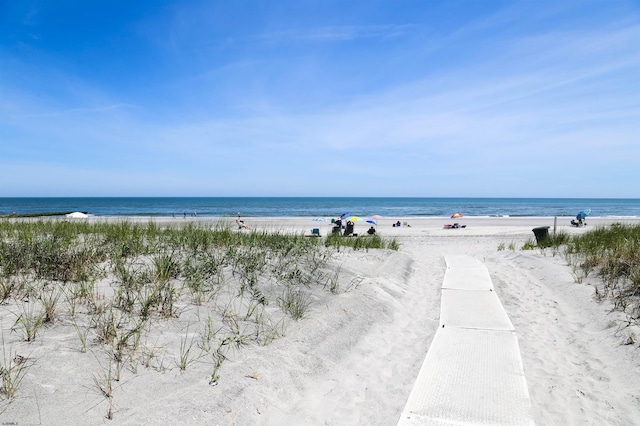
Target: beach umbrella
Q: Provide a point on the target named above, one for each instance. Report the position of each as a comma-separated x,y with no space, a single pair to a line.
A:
456,215
583,214
354,219
376,217
320,219
372,222
345,214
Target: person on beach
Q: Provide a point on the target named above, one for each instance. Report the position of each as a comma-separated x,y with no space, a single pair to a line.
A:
371,231
241,224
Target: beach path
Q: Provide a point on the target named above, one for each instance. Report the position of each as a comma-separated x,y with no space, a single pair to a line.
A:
473,371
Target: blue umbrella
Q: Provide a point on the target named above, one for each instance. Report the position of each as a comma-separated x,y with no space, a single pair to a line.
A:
372,221
345,214
583,214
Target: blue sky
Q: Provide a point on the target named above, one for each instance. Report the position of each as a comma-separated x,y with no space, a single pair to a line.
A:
320,98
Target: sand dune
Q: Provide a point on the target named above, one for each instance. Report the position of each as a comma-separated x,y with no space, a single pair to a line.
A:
353,359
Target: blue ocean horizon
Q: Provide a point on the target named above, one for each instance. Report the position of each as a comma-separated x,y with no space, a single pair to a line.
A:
322,206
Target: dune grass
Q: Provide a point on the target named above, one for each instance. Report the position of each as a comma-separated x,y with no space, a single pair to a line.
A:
13,368
611,254
115,283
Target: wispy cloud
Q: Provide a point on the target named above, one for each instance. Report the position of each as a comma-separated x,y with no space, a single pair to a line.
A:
336,34
73,112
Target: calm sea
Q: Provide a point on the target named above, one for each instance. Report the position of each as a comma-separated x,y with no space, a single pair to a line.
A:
322,206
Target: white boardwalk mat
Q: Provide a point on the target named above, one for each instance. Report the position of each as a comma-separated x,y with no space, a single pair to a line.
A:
467,279
472,374
473,309
466,273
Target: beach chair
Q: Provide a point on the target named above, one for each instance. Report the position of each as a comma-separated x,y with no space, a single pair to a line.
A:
315,232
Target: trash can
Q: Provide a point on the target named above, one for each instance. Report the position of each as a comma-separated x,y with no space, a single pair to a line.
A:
541,233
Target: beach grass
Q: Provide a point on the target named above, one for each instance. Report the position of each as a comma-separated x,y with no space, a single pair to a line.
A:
611,254
114,284
13,368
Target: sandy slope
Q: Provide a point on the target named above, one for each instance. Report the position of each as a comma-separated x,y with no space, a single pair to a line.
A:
354,357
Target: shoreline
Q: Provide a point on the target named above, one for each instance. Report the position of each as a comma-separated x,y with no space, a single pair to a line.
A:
474,224
325,220
308,217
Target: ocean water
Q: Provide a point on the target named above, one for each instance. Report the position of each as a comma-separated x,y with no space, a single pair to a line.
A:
322,206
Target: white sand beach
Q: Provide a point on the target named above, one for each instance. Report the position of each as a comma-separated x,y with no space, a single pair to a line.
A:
354,357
